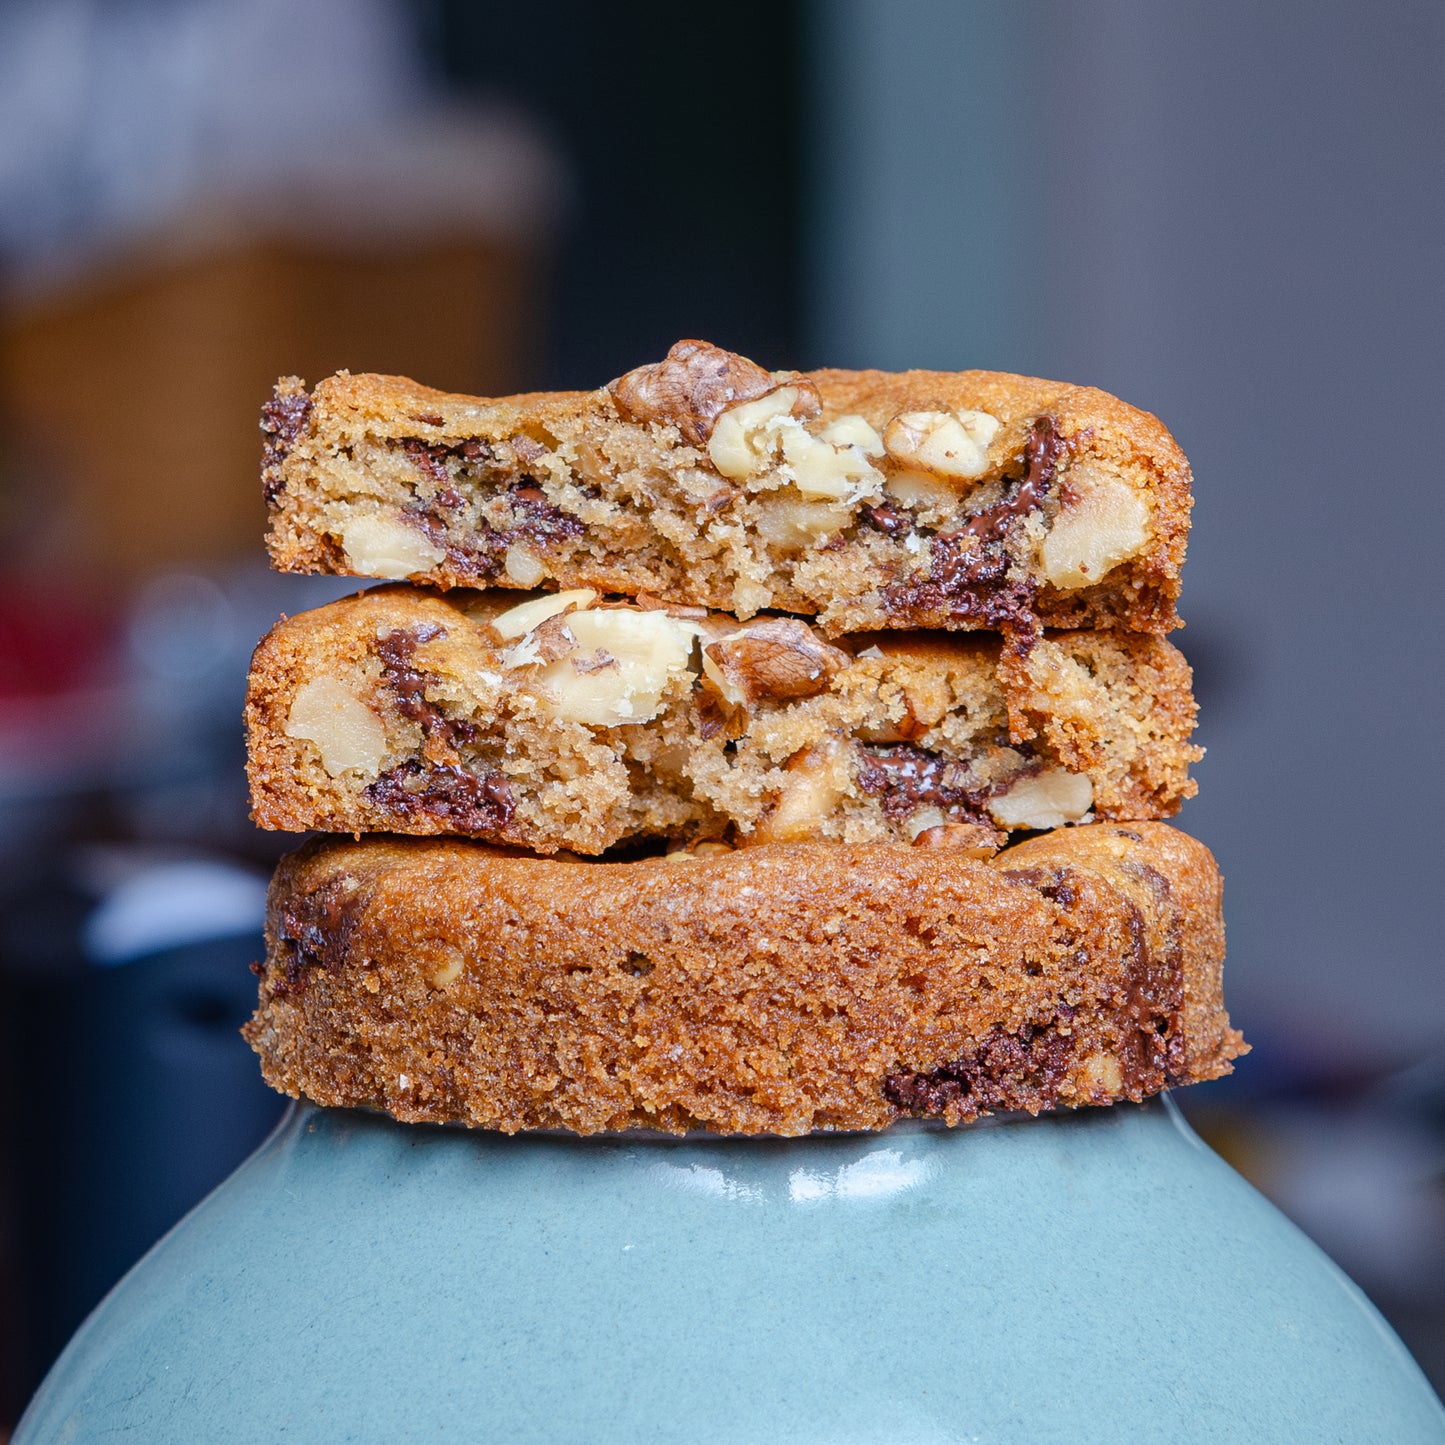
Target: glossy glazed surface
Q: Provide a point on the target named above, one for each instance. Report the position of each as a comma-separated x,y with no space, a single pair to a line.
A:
1091,1276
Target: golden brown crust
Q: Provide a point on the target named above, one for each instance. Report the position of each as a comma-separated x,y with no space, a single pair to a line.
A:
780,989
572,489
463,741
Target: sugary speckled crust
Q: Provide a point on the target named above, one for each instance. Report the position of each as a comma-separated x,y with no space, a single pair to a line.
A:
566,489
773,990
462,742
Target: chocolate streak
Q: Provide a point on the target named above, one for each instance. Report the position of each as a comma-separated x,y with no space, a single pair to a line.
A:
314,933
910,778
397,651
1026,1069
282,420
473,802
968,568
481,551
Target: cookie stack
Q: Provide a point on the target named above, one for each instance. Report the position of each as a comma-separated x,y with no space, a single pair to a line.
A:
742,751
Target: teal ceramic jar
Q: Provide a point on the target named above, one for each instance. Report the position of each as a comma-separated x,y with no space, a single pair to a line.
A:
1094,1276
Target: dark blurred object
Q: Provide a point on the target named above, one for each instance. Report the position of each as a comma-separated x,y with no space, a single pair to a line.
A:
684,129
130,1094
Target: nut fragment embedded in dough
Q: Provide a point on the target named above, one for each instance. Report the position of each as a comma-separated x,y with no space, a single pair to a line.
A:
1045,800
946,444
347,734
789,523
825,470
521,619
779,657
921,491
1103,523
522,567
621,666
745,436
814,784
971,840
376,546
854,431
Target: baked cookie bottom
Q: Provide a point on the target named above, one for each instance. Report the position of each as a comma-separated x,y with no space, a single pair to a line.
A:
921,499
562,722
780,989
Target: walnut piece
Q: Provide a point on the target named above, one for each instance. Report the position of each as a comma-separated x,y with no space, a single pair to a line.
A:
814,784
690,388
521,619
1101,1075
348,735
970,840
522,567
921,492
1043,800
378,546
779,657
854,431
790,524
619,668
944,444
1102,523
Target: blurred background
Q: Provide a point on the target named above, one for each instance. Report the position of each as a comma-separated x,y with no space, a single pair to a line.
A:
1227,213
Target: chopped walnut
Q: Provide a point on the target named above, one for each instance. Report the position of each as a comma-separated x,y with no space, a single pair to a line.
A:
745,438
971,840
944,444
1102,523
521,619
814,784
1043,800
377,546
345,732
779,657
690,388
619,669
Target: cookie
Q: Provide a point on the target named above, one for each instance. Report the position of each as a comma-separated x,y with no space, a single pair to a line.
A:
561,721
778,989
866,499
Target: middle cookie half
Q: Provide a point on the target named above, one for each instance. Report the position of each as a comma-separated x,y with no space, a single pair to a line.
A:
565,721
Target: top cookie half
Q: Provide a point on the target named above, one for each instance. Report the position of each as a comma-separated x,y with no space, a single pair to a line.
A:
866,499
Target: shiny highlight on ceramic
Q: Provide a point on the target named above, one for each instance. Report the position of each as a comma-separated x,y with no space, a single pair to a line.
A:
1091,1276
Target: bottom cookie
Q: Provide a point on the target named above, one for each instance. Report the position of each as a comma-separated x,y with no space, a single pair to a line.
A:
777,989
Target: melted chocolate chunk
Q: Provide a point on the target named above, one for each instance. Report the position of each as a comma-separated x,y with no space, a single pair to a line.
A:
538,519
282,419
482,553
430,460
1139,1026
891,520
314,933
396,651
968,569
1151,1054
476,803
1020,1070
1041,460
910,778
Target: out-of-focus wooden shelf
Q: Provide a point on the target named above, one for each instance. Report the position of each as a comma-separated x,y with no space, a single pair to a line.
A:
131,402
